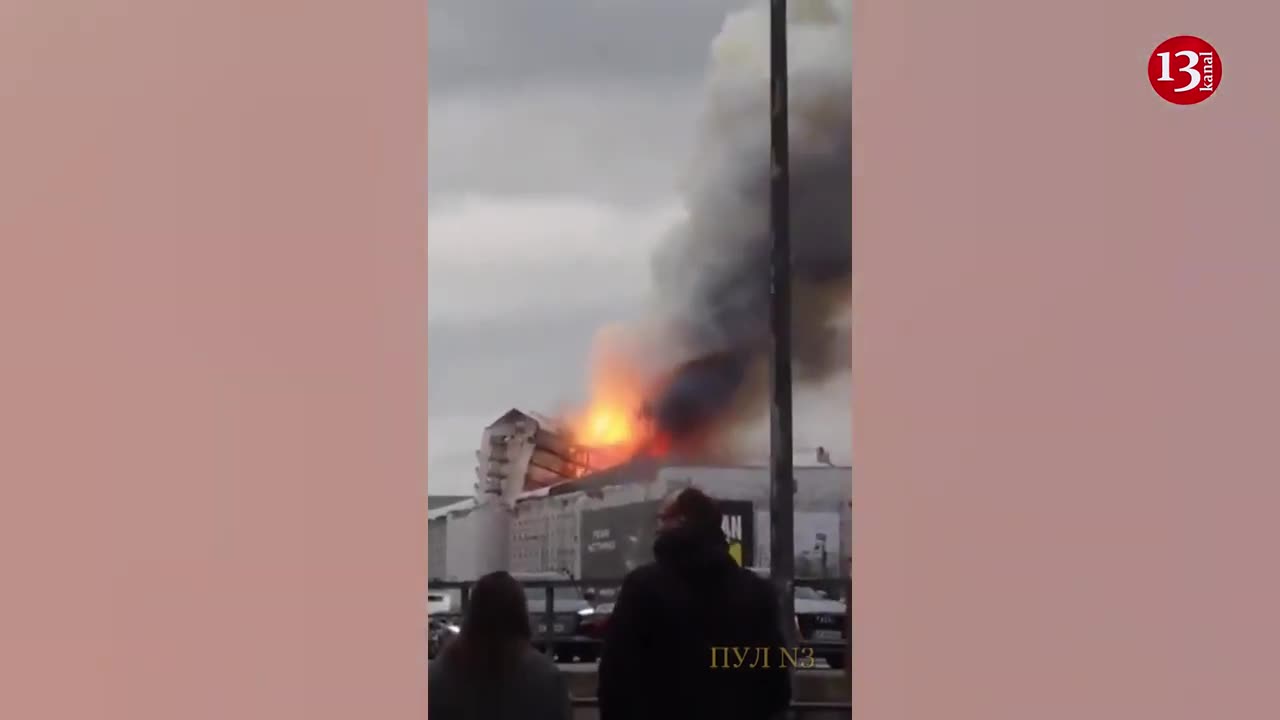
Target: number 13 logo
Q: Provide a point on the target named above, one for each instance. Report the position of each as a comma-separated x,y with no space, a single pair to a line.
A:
1185,70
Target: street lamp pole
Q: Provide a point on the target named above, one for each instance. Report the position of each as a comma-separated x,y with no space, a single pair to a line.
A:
782,475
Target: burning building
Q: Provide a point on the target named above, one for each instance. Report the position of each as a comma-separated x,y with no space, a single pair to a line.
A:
543,506
669,392
522,452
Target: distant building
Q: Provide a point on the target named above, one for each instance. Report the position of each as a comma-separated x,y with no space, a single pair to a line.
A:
601,525
561,513
435,502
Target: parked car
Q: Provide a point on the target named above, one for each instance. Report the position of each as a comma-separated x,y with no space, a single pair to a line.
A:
592,621
439,603
571,640
820,622
439,633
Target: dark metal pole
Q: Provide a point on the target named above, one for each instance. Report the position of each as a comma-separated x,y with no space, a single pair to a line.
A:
782,477
549,617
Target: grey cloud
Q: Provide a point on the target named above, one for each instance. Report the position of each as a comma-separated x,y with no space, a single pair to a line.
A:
493,256
511,43
532,360
618,143
821,417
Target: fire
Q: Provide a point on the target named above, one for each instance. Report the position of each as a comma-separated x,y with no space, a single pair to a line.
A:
612,420
627,377
606,425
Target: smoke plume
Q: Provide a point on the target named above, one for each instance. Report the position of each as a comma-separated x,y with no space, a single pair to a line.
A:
712,272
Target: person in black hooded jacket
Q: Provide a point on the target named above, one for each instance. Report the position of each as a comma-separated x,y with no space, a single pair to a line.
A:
672,616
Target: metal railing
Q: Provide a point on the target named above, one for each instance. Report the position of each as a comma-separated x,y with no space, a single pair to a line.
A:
590,591
795,710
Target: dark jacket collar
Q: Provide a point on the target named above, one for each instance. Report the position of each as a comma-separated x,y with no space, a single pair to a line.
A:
691,553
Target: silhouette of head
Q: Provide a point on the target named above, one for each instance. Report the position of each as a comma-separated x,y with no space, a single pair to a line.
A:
691,509
495,624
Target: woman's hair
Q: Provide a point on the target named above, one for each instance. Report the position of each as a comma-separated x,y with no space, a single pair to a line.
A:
495,626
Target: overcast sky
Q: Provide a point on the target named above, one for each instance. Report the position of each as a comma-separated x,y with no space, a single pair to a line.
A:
558,132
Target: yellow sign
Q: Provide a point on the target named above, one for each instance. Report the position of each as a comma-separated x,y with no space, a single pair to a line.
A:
735,552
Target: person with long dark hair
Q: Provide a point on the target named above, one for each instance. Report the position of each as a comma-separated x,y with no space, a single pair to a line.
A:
490,671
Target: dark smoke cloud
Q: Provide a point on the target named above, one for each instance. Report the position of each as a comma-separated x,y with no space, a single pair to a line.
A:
712,274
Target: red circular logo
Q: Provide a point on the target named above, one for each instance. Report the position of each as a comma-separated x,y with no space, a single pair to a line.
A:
1185,70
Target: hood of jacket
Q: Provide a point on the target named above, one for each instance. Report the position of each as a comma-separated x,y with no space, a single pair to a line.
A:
693,554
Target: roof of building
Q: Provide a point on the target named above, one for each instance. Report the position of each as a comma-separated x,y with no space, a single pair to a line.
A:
639,470
647,469
435,502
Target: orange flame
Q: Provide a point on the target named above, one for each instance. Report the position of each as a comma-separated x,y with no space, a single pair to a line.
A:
606,425
612,420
